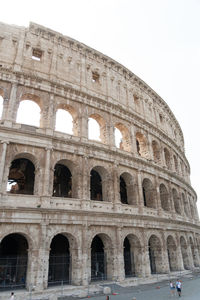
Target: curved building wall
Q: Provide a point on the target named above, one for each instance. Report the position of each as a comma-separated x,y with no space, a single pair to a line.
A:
142,210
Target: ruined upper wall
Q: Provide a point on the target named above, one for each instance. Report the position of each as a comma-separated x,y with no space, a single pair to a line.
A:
43,53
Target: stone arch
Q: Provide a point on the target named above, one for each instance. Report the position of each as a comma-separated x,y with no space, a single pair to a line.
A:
62,258
156,151
99,188
167,158
132,256
172,253
184,252
14,260
125,143
101,257
34,103
102,127
164,197
127,191
148,193
176,201
155,254
73,123
64,183
142,145
22,173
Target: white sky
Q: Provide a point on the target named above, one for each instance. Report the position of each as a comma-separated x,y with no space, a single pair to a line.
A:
158,40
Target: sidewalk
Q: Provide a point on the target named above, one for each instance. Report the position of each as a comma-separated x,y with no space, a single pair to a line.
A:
158,291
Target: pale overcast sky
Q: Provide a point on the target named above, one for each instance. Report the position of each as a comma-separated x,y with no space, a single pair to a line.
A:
158,40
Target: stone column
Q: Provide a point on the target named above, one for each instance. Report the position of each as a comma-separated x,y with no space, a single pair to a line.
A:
84,124
10,114
76,264
179,254
116,185
2,162
86,257
158,200
119,273
133,139
19,51
46,187
146,271
165,259
140,193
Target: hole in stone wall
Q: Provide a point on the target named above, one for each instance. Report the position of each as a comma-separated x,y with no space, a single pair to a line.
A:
21,177
95,77
64,121
28,113
95,186
62,184
118,138
93,130
36,54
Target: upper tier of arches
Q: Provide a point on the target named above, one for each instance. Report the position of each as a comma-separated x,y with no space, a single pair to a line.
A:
52,56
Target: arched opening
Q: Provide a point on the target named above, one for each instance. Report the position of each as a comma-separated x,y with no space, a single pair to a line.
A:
129,265
59,261
167,158
95,186
155,255
21,177
62,184
176,201
127,191
156,151
141,144
132,256
118,138
1,106
97,128
64,121
164,197
123,191
98,260
184,252
148,193
13,261
172,254
122,137
26,109
93,130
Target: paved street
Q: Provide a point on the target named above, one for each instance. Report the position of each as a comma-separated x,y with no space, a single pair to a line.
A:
190,291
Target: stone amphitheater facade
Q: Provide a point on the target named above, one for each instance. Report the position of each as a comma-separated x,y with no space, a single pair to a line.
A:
83,210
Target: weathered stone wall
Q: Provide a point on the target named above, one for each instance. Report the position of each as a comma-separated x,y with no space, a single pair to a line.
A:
72,76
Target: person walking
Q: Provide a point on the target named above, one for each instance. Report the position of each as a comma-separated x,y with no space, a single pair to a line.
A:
12,297
172,288
178,287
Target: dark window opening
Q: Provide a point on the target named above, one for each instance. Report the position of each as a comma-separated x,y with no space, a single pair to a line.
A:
95,77
95,186
152,259
13,262
62,185
129,265
36,54
98,260
21,177
123,191
144,196
59,261
138,147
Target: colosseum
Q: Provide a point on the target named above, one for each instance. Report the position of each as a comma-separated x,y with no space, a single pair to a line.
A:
78,209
